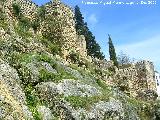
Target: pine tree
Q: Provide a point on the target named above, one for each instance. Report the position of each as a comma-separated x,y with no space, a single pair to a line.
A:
112,52
93,48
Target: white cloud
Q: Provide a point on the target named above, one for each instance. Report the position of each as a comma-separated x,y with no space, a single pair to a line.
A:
92,19
148,49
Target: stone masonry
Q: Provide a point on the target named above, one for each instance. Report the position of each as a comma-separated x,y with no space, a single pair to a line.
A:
140,77
28,8
64,16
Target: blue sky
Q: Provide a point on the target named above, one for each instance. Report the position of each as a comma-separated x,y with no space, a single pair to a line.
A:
135,29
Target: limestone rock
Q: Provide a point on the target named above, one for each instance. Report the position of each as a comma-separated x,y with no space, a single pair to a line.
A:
45,113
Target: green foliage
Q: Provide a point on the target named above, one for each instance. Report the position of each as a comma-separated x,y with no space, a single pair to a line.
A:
4,24
54,48
32,101
41,13
74,57
157,109
93,48
79,21
35,25
46,76
16,10
102,84
2,15
112,52
85,102
24,23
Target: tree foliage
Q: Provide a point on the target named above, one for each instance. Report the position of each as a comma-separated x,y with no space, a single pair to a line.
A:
112,52
16,10
93,48
41,13
124,60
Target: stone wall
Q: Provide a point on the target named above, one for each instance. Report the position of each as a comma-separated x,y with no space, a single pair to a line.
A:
64,16
148,68
140,77
28,8
81,45
102,64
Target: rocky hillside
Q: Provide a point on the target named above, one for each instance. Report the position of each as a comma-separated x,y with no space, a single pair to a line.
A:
38,84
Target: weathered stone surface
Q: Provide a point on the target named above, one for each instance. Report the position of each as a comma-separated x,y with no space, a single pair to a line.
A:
10,77
45,113
67,88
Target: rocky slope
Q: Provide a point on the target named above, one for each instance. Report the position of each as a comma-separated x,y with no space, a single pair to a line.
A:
36,84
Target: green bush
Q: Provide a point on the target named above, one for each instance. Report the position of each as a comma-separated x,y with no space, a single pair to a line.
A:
35,25
16,10
46,76
74,57
32,101
2,16
55,49
24,23
41,13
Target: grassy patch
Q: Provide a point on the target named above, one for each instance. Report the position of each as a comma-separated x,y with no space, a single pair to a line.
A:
85,102
32,101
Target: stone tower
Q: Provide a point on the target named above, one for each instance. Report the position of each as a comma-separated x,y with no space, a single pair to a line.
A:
148,68
64,16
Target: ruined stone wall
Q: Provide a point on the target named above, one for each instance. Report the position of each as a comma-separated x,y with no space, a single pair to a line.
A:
81,45
64,16
148,68
140,77
129,74
28,8
102,64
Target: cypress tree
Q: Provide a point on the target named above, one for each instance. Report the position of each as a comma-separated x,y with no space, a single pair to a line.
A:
93,48
79,21
112,52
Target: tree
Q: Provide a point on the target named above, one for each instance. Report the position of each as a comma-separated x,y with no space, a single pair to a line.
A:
79,21
123,59
93,48
41,13
16,10
112,52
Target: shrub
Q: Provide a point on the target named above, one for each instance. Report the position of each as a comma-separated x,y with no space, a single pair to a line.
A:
16,10
32,101
46,76
148,95
24,23
41,13
35,24
2,16
74,57
55,49
85,102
